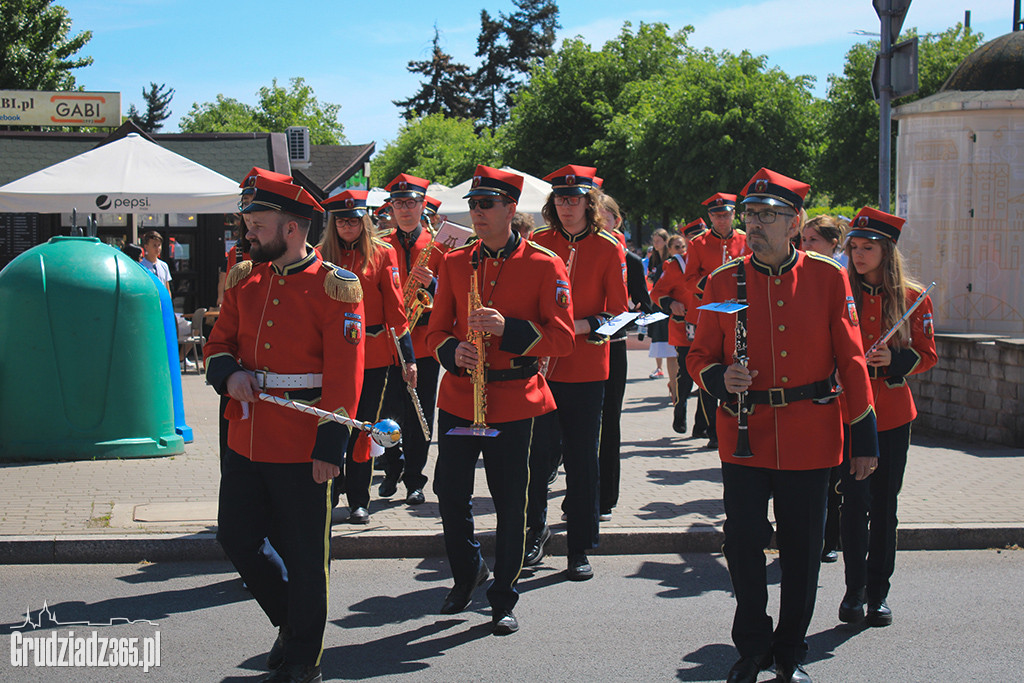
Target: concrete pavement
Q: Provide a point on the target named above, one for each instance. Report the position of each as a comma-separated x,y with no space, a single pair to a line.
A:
956,495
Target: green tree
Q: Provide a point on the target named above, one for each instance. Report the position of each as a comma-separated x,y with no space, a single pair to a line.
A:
36,52
158,99
441,149
847,166
446,89
490,82
277,108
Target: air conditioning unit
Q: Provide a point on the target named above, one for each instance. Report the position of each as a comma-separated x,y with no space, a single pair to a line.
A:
298,144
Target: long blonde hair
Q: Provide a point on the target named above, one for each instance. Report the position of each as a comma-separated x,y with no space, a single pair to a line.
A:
331,248
895,283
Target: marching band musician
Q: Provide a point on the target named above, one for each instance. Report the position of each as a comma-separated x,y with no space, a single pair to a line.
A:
290,326
526,312
349,243
715,247
675,299
597,274
410,239
883,292
801,324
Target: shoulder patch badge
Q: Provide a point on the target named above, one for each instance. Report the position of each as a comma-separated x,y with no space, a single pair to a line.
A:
562,294
851,311
929,325
353,328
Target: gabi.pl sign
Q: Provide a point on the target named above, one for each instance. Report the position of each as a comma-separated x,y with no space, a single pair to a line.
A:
41,108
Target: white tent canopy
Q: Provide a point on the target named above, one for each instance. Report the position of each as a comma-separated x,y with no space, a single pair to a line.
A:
130,175
535,193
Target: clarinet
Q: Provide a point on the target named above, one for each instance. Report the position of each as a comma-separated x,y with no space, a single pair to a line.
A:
743,410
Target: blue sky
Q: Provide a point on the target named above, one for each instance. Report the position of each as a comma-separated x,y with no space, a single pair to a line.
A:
355,54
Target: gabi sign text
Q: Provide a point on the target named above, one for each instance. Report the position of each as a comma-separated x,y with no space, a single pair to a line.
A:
41,108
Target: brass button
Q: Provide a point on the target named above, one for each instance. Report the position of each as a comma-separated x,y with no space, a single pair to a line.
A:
779,302
280,281
496,263
276,301
487,365
785,379
270,323
493,282
266,369
782,328
871,336
778,281
784,354
267,345
872,318
490,303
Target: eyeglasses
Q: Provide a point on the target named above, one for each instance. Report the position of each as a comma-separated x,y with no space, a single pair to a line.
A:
483,203
764,217
348,222
572,200
405,203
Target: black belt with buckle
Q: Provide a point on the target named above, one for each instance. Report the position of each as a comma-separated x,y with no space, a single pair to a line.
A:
524,371
778,397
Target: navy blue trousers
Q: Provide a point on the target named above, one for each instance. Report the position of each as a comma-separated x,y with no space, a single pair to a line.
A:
281,501
506,458
799,503
356,476
575,434
868,518
611,432
410,458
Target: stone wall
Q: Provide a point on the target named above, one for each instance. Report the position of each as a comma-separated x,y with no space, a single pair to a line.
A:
975,391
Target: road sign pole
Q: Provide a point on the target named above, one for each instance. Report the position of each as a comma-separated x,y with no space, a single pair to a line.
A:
884,103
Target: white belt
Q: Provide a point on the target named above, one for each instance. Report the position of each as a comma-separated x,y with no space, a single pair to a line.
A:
273,380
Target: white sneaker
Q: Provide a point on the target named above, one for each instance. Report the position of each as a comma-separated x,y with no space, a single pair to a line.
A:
605,517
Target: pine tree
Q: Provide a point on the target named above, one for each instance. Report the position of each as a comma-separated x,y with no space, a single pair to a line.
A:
490,82
446,89
531,33
157,98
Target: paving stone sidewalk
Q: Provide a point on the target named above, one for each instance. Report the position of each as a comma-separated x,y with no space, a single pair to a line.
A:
954,495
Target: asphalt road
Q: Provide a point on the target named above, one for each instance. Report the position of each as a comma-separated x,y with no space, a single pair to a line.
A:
642,618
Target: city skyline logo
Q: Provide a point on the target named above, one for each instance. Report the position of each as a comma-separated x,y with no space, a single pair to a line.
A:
47,618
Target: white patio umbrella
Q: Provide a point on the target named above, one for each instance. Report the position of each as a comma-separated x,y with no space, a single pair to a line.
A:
130,175
535,193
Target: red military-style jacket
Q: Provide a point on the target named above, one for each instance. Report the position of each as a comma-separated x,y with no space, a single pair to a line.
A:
304,318
706,253
671,287
406,261
597,278
382,301
801,326
894,404
529,286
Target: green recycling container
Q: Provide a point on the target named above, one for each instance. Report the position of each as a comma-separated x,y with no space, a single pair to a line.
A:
83,361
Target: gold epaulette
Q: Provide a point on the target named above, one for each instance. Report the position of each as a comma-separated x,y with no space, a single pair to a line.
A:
238,272
541,230
728,264
824,259
381,243
605,234
342,285
543,250
467,245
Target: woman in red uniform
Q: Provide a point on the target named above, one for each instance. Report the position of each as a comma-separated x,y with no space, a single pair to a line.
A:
883,292
348,242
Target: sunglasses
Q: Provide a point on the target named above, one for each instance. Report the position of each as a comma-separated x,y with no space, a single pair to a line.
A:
483,203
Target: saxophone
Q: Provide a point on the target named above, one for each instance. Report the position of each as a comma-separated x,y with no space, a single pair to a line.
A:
478,375
417,300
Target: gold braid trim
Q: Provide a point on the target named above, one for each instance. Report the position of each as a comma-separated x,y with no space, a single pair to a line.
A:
238,272
342,285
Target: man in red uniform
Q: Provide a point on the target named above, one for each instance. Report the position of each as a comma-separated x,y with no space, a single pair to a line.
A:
717,246
525,312
409,240
801,325
290,326
597,277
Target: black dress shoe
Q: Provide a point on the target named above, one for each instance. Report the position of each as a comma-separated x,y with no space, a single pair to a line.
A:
295,673
579,567
879,614
415,497
388,488
698,433
679,426
359,516
791,673
851,609
535,541
829,556
275,658
745,669
712,444
504,623
459,596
